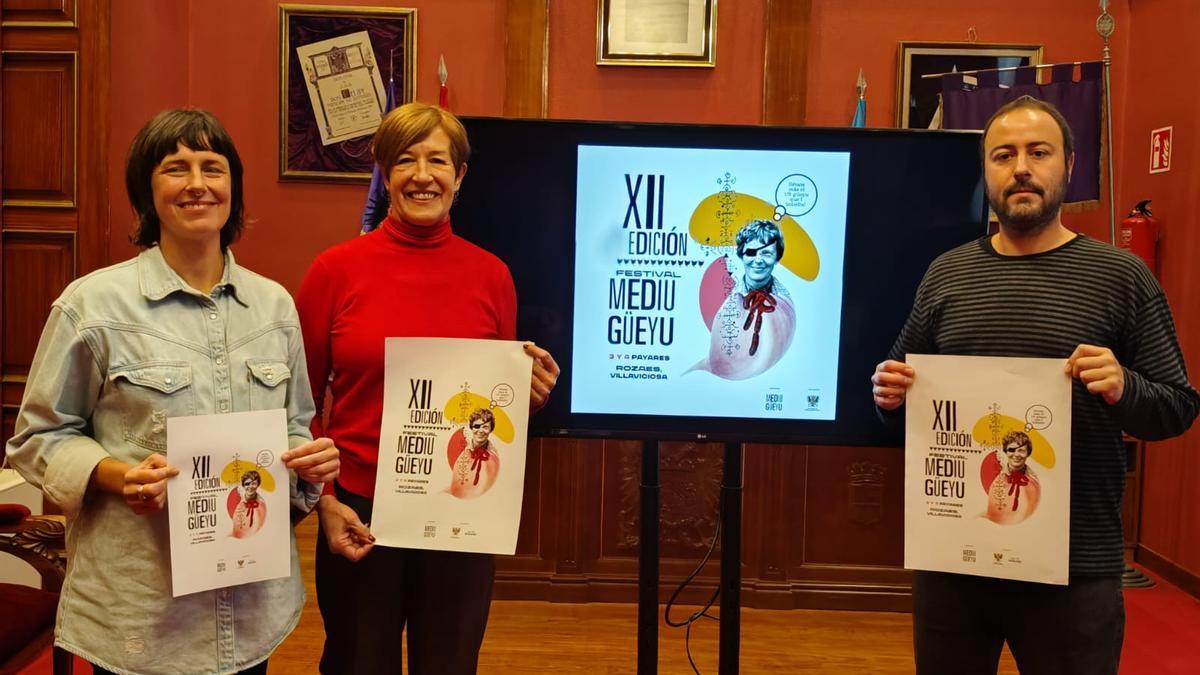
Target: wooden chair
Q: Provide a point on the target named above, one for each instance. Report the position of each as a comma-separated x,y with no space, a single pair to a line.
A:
27,614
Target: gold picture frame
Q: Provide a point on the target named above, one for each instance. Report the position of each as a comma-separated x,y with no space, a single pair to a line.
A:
680,33
306,151
917,98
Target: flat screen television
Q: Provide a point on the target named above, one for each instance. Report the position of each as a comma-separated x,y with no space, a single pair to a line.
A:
716,282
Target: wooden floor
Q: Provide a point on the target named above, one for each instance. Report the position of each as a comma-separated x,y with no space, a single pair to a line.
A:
541,637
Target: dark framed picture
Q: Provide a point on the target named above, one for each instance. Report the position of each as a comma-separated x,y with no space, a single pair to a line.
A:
339,68
656,33
917,96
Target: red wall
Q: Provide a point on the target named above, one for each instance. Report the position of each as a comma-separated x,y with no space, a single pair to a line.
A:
731,93
1165,96
230,66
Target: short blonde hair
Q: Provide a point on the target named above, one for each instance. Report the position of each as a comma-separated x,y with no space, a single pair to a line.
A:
411,123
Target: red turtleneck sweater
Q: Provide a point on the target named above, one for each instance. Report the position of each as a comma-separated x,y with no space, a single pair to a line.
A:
398,281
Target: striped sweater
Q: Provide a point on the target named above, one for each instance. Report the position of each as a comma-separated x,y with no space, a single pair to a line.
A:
974,301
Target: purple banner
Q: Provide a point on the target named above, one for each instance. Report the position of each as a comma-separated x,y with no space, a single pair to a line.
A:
969,107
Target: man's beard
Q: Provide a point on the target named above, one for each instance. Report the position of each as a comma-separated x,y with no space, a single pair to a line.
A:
1026,219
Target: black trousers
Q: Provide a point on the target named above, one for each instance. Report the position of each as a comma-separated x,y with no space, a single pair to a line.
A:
961,622
443,598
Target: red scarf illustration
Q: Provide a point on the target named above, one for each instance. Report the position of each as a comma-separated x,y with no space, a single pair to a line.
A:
757,303
1015,481
479,456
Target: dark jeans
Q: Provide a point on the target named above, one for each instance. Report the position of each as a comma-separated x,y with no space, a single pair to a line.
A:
442,597
961,622
260,669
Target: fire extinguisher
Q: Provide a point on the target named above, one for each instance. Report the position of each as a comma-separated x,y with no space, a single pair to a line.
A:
1139,235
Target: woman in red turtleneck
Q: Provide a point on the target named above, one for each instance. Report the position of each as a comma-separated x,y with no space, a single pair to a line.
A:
412,277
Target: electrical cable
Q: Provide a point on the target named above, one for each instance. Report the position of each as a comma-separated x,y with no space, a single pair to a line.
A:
703,611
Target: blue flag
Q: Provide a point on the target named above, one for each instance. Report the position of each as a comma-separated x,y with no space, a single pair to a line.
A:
376,208
860,114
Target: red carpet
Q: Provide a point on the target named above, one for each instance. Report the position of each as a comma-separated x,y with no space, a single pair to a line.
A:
1162,627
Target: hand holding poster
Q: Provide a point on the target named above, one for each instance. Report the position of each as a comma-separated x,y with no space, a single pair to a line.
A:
228,508
988,467
451,470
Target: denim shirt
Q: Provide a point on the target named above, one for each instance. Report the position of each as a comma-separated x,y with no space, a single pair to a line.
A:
125,348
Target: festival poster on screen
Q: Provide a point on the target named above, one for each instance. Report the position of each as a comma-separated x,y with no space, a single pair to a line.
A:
988,467
451,471
708,282
229,506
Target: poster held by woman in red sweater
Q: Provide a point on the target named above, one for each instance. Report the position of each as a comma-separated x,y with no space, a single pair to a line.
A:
450,408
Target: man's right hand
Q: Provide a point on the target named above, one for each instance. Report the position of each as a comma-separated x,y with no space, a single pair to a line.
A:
890,383
344,532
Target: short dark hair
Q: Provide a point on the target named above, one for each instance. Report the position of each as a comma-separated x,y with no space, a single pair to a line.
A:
1030,102
252,473
765,231
162,135
482,414
1021,439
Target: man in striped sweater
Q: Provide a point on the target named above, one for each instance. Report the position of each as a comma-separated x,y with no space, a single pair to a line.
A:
1037,289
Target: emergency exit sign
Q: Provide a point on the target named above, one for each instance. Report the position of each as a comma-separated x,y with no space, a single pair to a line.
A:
1160,150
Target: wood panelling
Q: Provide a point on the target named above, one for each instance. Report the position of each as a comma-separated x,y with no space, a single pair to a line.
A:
39,218
822,526
54,103
785,68
854,507
39,129
526,58
37,267
36,13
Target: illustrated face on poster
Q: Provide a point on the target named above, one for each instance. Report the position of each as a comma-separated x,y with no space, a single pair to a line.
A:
246,508
720,277
474,456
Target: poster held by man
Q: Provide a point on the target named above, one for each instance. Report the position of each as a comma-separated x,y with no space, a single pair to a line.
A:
988,467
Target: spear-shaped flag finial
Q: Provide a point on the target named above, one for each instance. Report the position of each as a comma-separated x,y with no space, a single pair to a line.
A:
443,90
860,108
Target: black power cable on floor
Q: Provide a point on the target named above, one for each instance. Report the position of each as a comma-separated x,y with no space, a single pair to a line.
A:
703,611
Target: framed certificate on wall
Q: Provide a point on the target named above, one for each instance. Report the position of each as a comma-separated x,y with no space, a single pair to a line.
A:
335,66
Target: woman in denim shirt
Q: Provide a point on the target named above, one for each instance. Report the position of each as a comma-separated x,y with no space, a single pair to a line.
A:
179,330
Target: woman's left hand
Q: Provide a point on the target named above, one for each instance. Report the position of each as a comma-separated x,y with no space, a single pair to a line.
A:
545,376
315,461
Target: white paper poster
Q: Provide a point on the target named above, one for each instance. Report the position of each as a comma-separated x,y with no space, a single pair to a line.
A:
988,467
344,86
228,508
451,470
